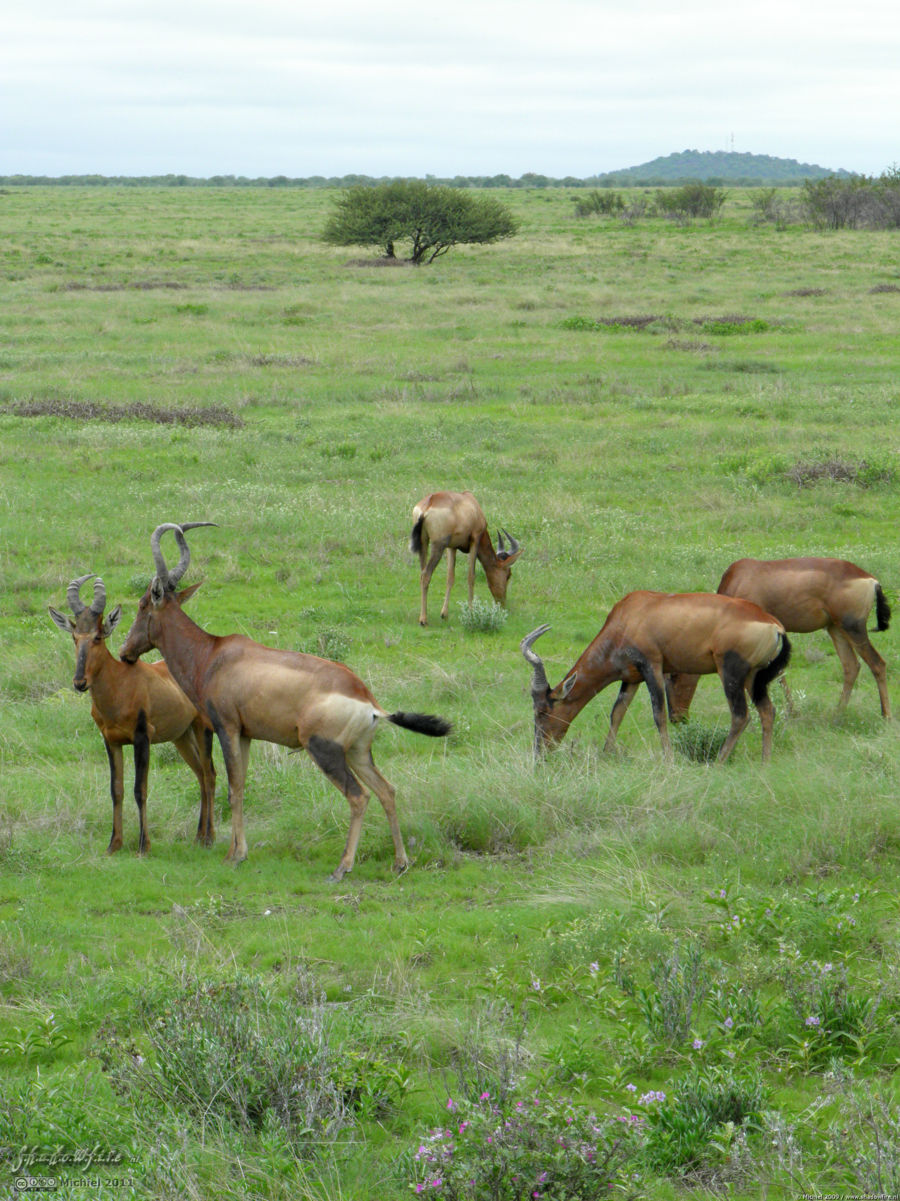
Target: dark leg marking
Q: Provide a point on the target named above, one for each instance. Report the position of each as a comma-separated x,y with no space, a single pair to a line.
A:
735,670
330,758
657,695
224,741
141,769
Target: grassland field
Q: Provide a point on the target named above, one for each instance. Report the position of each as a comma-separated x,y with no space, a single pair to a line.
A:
639,406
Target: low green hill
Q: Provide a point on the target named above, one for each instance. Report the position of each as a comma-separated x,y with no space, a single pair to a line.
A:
719,166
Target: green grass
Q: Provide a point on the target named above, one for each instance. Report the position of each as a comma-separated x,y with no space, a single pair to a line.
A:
199,355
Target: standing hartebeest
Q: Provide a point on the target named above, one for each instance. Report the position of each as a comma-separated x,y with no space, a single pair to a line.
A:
245,690
805,595
452,521
135,705
650,634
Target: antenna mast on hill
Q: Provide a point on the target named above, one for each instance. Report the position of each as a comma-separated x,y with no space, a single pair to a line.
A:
732,143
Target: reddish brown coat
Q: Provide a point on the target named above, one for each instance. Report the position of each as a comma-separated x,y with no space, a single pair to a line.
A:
453,521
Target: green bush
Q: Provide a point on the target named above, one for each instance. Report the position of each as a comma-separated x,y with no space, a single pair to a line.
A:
482,616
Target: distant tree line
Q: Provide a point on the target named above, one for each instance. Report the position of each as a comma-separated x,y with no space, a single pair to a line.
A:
716,169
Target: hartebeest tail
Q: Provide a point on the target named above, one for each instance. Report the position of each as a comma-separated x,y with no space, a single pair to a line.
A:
134,705
452,521
651,634
245,690
809,594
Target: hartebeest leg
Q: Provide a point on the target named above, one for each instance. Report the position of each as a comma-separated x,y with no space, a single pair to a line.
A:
201,764
451,576
788,697
855,640
619,709
427,572
766,711
470,577
363,765
733,672
330,758
141,775
680,689
236,753
849,664
117,791
656,686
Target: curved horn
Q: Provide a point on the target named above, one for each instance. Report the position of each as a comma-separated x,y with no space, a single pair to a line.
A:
500,546
513,544
170,578
539,682
75,603
99,602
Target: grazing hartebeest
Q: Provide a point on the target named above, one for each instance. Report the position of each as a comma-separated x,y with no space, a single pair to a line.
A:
135,705
245,690
650,634
805,595
454,521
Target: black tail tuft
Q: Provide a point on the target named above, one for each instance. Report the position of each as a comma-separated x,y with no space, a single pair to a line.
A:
882,609
415,538
766,675
422,723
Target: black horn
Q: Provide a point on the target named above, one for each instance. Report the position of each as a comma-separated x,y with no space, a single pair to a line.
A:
75,603
513,544
539,682
170,578
98,604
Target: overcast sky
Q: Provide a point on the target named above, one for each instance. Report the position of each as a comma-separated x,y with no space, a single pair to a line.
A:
468,87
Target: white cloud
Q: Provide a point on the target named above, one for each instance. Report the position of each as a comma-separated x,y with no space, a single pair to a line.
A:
570,87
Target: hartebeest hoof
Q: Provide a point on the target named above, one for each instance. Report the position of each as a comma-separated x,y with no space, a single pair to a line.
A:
115,844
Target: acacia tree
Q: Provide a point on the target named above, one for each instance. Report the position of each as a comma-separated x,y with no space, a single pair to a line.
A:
430,217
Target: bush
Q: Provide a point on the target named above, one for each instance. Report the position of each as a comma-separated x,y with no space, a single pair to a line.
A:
692,200
606,202
230,1053
431,217
856,203
518,1150
482,616
693,1127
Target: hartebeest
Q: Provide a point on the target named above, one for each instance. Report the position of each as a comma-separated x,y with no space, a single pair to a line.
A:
245,690
650,634
452,521
134,705
805,595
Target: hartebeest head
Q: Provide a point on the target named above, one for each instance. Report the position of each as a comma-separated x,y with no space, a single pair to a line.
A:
89,630
143,635
550,725
500,570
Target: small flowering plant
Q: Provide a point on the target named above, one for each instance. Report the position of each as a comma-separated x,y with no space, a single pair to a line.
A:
519,1150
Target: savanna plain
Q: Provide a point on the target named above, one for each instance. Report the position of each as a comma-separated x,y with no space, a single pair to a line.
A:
601,975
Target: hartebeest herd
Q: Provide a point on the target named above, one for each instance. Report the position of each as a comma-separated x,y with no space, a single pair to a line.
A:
239,690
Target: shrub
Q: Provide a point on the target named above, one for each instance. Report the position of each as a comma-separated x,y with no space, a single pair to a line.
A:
482,616
681,1132
431,217
606,202
522,1149
691,200
697,741
232,1054
670,1005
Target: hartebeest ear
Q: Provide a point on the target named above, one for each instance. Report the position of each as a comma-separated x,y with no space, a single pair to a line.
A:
66,624
157,591
111,620
186,593
567,685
